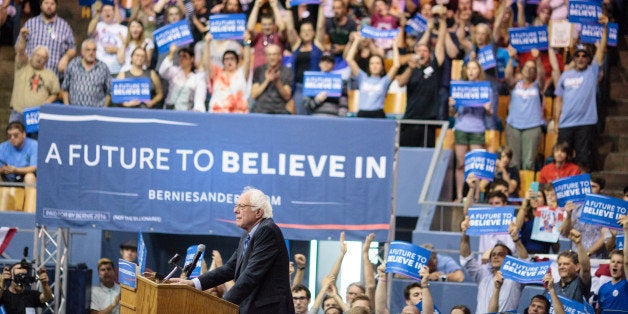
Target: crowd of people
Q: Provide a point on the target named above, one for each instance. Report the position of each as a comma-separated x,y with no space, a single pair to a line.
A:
264,73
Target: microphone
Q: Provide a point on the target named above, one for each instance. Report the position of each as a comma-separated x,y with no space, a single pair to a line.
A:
173,261
187,269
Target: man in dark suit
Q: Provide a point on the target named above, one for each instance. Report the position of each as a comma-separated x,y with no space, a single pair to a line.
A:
260,265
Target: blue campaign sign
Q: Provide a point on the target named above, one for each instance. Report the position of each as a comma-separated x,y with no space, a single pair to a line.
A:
527,38
105,168
481,163
420,307
128,89
532,1
572,188
141,252
299,2
31,119
406,259
176,33
613,29
189,256
571,306
372,32
127,273
227,26
620,241
316,82
486,57
470,94
502,61
490,220
524,272
591,33
584,11
416,25
603,211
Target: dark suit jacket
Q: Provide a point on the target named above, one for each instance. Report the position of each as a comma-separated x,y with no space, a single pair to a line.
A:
261,275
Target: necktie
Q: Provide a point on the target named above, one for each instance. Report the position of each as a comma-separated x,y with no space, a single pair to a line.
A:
246,243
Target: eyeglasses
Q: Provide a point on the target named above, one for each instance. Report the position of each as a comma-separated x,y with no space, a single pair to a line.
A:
299,298
13,135
581,55
242,206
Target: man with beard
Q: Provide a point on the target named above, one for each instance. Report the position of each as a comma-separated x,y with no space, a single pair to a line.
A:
613,295
272,84
106,296
337,28
88,80
16,298
268,35
33,85
48,29
576,106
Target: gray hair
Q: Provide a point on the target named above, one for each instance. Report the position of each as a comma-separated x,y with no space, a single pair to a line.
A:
259,200
43,48
87,41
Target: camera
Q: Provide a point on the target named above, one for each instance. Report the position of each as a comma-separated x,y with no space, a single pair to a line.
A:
28,278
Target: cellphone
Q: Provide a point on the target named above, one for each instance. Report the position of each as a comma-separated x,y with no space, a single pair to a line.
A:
534,186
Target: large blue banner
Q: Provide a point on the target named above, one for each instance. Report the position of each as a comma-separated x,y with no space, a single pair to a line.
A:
584,11
181,172
603,211
573,188
591,33
490,220
470,94
372,32
481,163
406,259
176,33
416,25
128,89
227,26
486,57
524,272
317,82
613,29
527,38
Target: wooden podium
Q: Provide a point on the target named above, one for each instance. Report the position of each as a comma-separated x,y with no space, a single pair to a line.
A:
152,298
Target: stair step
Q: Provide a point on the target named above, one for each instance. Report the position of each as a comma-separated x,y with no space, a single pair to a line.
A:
620,142
615,180
618,89
616,161
620,108
616,125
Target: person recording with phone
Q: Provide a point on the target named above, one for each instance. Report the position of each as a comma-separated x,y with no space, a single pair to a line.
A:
16,296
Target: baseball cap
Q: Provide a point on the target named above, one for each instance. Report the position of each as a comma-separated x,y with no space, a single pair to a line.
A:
328,57
104,260
583,48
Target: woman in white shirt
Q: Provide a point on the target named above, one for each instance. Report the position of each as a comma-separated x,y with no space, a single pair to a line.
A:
186,88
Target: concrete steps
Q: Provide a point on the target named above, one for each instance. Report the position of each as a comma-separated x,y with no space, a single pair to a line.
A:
615,180
616,125
617,161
